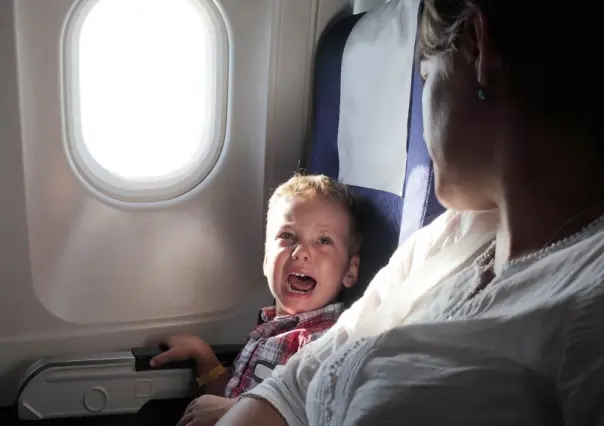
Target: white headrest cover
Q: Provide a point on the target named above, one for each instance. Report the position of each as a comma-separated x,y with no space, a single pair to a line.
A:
377,68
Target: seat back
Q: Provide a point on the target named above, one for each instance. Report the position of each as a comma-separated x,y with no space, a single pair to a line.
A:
420,205
367,128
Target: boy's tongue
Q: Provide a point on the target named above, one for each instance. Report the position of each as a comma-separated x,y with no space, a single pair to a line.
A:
300,283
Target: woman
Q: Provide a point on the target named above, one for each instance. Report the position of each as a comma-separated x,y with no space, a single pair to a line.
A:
515,336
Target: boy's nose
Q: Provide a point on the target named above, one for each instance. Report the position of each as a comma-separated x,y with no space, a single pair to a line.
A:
301,253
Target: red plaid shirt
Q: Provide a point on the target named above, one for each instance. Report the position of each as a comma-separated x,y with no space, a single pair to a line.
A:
274,341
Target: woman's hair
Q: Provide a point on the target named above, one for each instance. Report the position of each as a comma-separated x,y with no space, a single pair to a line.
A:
550,50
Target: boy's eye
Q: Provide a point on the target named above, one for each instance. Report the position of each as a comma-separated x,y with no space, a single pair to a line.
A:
325,240
287,236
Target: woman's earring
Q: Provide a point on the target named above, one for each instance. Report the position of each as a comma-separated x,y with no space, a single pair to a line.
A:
481,94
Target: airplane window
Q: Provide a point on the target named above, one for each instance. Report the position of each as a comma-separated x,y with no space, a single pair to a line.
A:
144,94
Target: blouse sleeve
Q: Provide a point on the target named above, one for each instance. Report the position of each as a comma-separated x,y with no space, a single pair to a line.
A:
580,381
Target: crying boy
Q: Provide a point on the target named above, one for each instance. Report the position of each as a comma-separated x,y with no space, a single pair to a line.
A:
311,255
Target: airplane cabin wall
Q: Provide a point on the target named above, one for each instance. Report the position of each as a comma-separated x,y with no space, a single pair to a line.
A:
83,273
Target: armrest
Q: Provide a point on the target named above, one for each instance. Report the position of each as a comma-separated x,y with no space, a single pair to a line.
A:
106,383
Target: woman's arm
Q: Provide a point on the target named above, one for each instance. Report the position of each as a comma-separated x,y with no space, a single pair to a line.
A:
252,412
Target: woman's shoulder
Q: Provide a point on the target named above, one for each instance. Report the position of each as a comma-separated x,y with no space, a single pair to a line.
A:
582,259
475,228
574,270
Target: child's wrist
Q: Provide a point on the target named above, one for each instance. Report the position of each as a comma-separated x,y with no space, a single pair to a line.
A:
205,359
205,366
210,377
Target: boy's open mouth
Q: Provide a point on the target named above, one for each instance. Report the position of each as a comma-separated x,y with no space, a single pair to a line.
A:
300,283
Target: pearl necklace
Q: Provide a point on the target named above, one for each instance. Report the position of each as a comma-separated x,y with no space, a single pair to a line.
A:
486,260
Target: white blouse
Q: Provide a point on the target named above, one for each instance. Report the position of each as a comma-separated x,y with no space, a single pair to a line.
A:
528,350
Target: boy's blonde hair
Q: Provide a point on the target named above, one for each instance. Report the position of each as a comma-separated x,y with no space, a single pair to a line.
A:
321,186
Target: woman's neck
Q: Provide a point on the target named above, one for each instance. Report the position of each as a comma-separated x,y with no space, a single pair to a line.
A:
547,198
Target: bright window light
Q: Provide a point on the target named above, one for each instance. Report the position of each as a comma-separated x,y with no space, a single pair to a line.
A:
145,93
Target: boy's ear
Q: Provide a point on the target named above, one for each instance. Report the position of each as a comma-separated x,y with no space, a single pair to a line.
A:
264,265
352,275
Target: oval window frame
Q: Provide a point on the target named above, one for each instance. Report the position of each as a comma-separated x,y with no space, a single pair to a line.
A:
88,170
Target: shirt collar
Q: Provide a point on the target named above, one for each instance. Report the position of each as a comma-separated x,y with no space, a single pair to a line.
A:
270,313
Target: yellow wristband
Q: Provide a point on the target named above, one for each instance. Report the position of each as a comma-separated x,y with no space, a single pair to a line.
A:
211,375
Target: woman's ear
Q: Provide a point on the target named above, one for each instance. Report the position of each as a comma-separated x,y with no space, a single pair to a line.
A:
352,275
488,58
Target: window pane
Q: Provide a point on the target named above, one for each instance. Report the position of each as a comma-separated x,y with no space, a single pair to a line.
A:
145,93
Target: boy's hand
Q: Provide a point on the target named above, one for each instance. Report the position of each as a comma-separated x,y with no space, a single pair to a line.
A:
182,347
206,410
